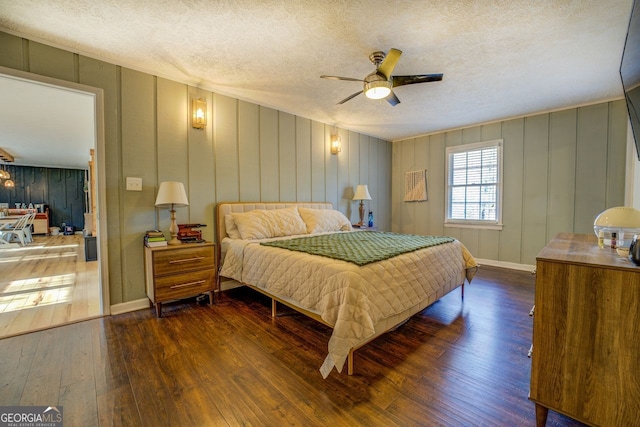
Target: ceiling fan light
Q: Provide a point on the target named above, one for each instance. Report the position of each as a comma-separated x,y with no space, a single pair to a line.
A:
9,183
377,89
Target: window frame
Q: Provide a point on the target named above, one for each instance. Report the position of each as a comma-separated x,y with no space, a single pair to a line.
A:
469,223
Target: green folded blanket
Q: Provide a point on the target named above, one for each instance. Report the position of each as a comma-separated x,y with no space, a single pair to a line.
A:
360,247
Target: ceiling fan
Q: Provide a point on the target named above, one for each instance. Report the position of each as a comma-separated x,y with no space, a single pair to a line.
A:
380,83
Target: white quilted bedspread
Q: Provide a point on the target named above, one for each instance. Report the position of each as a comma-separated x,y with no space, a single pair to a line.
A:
350,298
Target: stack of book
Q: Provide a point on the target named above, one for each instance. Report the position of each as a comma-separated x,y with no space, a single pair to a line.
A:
153,238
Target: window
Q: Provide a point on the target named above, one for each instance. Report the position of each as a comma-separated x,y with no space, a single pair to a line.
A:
474,185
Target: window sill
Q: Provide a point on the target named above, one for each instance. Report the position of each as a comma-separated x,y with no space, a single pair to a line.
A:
476,226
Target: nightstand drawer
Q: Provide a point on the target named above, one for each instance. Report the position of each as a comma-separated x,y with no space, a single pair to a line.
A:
182,285
176,272
175,261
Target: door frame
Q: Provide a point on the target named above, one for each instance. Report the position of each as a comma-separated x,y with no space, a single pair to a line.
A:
100,154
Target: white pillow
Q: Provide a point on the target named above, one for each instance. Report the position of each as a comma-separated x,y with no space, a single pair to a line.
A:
321,220
231,227
261,224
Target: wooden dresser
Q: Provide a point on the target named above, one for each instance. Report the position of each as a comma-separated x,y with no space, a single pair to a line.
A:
586,333
175,272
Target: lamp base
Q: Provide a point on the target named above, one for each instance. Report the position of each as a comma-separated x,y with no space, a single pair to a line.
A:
173,229
174,241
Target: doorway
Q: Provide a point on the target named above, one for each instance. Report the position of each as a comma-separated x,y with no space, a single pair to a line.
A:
37,100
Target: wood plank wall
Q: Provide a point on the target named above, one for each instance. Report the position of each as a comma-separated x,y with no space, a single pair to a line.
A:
246,152
62,190
561,169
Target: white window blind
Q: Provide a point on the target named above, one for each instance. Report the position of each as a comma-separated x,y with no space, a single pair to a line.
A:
474,184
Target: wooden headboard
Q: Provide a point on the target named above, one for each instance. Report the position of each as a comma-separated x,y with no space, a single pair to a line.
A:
226,208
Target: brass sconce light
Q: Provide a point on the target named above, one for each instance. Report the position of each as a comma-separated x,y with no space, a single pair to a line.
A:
336,145
199,109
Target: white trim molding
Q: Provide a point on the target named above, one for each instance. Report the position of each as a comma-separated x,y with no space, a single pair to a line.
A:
503,264
129,306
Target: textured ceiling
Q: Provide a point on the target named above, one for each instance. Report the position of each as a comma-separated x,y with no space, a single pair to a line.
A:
500,59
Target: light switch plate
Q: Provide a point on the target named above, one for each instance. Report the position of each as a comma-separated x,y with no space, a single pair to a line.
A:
134,184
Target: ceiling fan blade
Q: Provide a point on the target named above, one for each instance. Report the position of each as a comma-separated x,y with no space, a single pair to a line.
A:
350,97
392,99
389,62
350,79
418,78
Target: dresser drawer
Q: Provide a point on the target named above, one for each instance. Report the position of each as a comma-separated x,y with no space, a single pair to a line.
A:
182,285
180,260
176,272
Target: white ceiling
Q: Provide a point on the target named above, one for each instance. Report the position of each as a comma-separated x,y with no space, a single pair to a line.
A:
500,59
44,125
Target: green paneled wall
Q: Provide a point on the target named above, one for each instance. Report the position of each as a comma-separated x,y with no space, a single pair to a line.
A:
247,152
561,170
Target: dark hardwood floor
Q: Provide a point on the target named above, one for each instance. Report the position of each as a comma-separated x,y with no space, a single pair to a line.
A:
458,363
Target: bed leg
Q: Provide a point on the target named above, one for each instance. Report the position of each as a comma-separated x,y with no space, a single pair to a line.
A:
274,305
462,292
350,363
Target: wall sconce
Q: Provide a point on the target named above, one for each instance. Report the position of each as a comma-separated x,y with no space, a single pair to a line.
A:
336,145
199,108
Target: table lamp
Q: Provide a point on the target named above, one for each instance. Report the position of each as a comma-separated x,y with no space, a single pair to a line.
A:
172,195
623,220
362,194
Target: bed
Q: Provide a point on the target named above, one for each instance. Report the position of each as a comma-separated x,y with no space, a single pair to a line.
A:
359,302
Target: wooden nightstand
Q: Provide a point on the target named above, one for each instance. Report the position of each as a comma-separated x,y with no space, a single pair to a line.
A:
176,272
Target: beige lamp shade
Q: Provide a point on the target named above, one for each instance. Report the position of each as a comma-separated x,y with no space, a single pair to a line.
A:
362,193
171,193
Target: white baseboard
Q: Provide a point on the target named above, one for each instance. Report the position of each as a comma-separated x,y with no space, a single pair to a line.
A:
128,306
504,264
